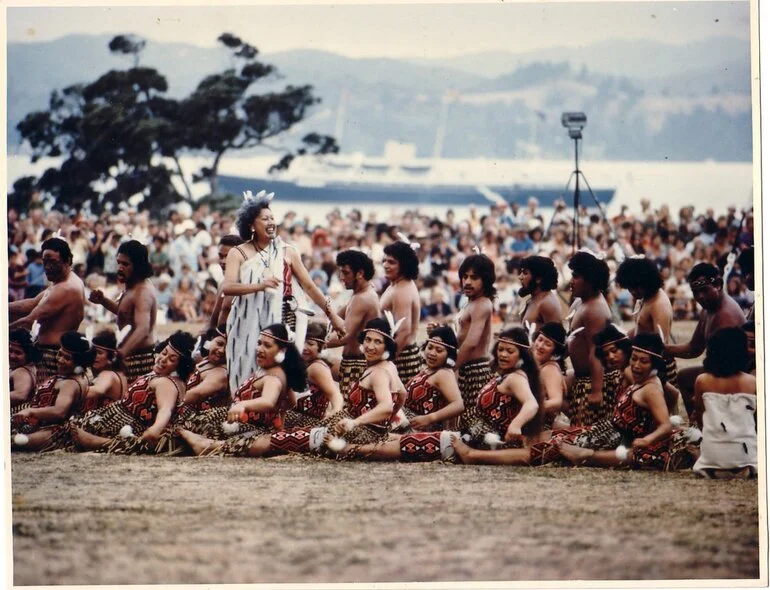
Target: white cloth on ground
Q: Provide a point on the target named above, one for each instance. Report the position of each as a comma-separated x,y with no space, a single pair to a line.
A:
729,432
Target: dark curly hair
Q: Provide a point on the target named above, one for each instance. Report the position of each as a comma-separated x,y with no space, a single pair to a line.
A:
137,253
380,325
529,366
592,270
60,246
408,263
357,260
82,352
541,268
610,334
108,340
484,268
727,352
292,364
182,342
23,338
639,273
652,344
249,210
448,337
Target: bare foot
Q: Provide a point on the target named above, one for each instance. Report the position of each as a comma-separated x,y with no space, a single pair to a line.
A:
462,450
86,440
576,455
199,444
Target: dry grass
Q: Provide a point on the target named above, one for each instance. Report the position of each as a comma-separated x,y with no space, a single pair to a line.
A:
96,519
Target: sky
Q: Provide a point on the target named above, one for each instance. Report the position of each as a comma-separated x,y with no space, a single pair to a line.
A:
393,30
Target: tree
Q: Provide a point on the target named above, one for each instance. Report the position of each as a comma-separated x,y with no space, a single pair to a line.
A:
121,136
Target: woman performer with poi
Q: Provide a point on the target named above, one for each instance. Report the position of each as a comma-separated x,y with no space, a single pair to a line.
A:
38,422
22,359
135,423
506,412
268,281
374,400
322,398
261,402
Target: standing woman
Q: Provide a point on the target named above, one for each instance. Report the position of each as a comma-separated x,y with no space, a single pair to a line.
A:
261,402
725,403
109,382
267,280
136,422
322,398
22,359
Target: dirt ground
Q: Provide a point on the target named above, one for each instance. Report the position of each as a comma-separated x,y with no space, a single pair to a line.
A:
98,519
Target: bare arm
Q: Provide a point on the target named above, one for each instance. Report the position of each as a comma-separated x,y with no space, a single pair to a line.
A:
354,323
23,384
142,321
518,386
166,396
694,347
25,306
479,317
446,383
60,410
312,290
321,375
50,304
384,408
593,324
402,308
553,385
661,317
652,396
213,382
271,393
101,385
231,285
97,297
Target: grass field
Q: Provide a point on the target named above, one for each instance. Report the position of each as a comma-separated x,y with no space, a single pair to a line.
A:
98,519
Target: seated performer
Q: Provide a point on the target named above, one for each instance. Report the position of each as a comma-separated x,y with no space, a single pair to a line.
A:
22,360
136,422
549,349
260,403
506,411
322,398
725,403
374,400
110,382
433,396
207,387
33,426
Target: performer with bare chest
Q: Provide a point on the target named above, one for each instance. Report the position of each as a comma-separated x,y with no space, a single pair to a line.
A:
719,311
591,397
654,315
135,307
539,278
402,299
58,309
477,277
356,270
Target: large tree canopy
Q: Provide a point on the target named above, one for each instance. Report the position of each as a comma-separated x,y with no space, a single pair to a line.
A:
121,136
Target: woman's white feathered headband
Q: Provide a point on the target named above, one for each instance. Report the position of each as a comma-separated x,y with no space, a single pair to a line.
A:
262,195
394,326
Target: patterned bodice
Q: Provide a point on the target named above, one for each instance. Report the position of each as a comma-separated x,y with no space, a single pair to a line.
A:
363,400
218,399
248,391
140,401
45,395
499,408
422,397
314,404
629,417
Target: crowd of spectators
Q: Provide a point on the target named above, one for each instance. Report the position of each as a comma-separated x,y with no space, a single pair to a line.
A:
184,254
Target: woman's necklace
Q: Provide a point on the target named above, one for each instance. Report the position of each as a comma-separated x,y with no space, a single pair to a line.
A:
264,253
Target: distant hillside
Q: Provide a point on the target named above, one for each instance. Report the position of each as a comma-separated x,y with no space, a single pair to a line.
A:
643,100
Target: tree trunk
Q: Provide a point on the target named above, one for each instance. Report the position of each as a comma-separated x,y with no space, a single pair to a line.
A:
184,181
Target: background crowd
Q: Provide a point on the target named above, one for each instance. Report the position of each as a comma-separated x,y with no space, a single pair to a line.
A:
184,253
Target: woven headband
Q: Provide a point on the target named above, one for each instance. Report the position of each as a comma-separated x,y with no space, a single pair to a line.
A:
319,340
380,332
551,339
274,337
441,343
172,347
220,333
509,341
107,348
615,341
701,282
644,350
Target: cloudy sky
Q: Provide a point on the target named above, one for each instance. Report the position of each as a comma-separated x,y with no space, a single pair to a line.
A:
424,30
